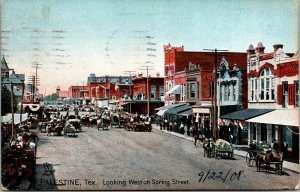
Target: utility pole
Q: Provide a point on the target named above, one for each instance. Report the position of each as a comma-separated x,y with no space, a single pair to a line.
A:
36,80
147,87
21,110
130,87
214,97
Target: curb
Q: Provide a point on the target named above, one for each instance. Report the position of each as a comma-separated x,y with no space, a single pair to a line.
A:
296,170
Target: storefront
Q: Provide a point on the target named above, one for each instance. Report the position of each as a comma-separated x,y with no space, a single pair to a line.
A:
234,124
280,126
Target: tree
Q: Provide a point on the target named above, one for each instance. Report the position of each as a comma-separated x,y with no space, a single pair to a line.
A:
6,101
52,97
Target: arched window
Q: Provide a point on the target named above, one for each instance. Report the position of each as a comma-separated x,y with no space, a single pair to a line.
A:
266,85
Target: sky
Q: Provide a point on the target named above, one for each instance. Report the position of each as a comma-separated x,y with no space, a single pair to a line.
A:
73,38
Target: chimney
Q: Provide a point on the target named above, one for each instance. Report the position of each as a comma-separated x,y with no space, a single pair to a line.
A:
277,46
260,48
250,50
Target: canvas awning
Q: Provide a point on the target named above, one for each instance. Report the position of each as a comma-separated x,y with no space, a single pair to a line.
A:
201,110
168,106
175,90
186,113
246,114
161,112
8,118
176,110
288,117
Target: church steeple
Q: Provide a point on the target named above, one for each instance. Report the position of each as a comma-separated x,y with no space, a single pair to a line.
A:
57,90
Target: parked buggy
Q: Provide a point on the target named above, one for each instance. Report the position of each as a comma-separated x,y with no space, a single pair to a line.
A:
115,120
263,157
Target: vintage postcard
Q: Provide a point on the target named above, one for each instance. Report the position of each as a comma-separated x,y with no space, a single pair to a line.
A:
149,95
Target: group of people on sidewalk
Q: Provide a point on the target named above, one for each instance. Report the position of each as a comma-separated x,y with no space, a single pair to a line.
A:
181,128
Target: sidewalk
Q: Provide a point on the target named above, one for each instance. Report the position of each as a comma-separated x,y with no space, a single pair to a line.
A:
286,164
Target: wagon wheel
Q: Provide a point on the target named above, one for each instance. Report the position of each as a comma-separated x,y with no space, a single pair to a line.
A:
249,159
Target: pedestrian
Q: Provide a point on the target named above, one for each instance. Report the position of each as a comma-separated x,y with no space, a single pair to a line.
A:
171,126
160,124
185,130
165,124
195,134
175,127
181,128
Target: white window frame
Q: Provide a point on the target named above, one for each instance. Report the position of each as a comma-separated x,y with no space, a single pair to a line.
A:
152,91
266,80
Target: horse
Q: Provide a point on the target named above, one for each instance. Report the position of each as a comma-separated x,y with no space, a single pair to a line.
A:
52,128
272,156
103,122
208,147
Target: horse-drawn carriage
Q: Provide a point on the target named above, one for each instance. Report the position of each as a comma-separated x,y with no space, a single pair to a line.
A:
103,123
139,126
221,148
263,157
115,120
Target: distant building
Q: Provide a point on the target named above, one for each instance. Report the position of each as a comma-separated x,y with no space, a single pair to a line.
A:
139,96
111,87
12,79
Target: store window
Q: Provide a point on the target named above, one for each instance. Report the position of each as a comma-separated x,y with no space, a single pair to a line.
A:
254,130
263,135
287,137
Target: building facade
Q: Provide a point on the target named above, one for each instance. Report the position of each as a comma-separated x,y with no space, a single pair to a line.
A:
273,80
139,100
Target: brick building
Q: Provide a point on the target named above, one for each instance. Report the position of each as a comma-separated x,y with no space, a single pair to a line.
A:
177,60
112,87
140,92
197,67
76,91
273,100
274,84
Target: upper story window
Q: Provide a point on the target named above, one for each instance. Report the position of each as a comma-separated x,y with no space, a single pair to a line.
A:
266,85
153,90
253,89
161,90
192,90
182,93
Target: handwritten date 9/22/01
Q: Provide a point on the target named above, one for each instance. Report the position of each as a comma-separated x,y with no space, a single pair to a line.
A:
221,175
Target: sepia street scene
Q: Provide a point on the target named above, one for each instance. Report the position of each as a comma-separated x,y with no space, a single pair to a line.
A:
149,95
